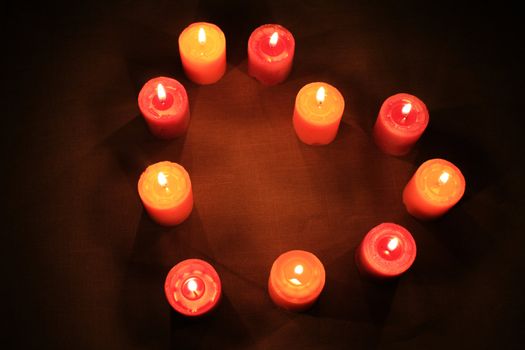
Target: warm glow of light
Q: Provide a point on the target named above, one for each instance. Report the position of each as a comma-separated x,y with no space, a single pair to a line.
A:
320,95
274,39
406,109
202,36
162,179
295,281
392,244
192,285
298,269
444,177
161,92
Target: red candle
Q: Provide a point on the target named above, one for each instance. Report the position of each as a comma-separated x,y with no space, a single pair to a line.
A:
271,49
165,191
436,187
164,105
400,123
193,287
387,250
296,280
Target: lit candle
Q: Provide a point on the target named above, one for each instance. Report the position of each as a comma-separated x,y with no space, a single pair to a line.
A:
165,191
193,287
318,111
436,187
401,121
164,104
388,250
271,50
202,48
296,280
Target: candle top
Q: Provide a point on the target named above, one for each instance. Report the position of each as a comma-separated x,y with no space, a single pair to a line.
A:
162,98
441,181
320,103
389,248
272,43
193,287
404,113
202,41
298,276
164,184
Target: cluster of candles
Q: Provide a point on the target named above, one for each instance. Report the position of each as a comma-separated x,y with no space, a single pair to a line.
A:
297,277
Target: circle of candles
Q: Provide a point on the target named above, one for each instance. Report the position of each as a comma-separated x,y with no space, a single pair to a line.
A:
164,104
165,191
202,48
296,280
318,111
193,287
271,50
401,121
436,186
387,250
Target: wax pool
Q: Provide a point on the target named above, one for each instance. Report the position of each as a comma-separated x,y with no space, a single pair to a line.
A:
165,191
296,279
317,113
401,121
193,287
271,50
202,48
388,250
164,104
436,187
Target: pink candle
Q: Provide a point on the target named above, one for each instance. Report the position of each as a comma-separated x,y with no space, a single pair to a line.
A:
270,54
193,287
164,105
401,121
387,250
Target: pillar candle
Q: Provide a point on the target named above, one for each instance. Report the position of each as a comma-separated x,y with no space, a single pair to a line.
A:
318,111
400,123
165,191
164,104
271,50
296,280
436,187
202,48
193,287
388,250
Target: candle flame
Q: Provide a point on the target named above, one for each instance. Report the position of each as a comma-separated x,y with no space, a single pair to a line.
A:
444,177
202,36
392,244
295,281
406,109
162,179
192,285
161,92
298,269
274,39
320,95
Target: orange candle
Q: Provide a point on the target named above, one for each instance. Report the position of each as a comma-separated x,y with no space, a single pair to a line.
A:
318,111
436,187
165,191
202,48
296,280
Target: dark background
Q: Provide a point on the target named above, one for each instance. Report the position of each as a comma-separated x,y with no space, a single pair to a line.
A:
84,265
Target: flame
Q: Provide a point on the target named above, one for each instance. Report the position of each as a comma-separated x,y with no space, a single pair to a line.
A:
202,36
320,95
274,39
444,177
295,281
192,285
298,269
406,109
161,92
162,179
392,244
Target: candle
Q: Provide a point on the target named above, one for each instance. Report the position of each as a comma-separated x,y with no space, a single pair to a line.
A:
318,111
271,49
436,187
296,280
193,287
387,251
165,191
164,104
202,48
400,123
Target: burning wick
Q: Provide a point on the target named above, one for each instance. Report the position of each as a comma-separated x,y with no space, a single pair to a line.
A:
405,110
161,93
202,36
443,178
320,95
273,39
